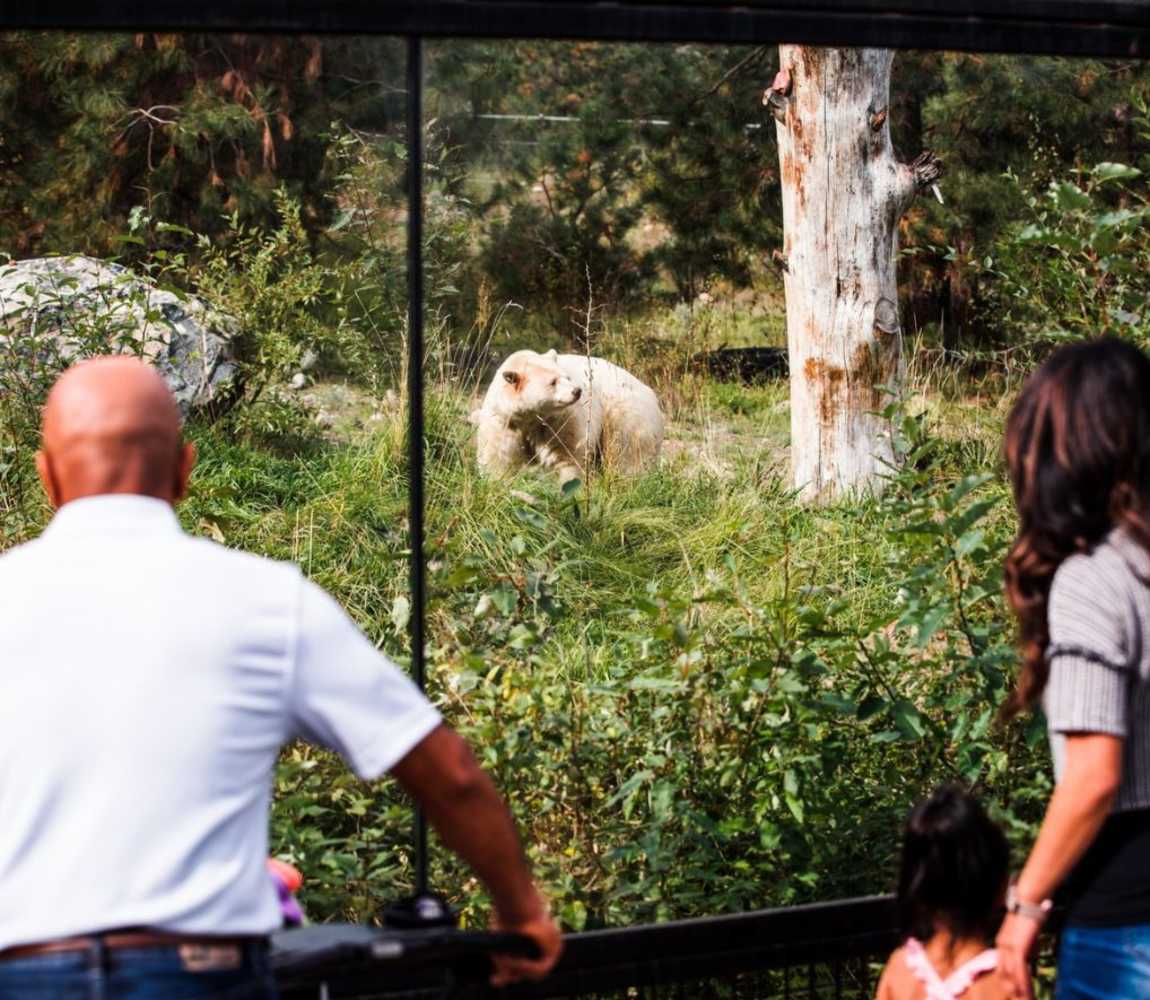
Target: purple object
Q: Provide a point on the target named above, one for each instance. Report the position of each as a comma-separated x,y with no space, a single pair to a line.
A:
289,905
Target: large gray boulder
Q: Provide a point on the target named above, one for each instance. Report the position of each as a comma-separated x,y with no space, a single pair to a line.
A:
57,310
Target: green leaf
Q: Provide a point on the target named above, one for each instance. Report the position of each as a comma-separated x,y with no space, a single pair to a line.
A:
631,786
654,684
521,637
1103,172
662,799
400,613
1070,197
930,623
791,782
505,598
963,487
170,227
839,703
909,720
1111,220
343,220
795,805
970,541
791,795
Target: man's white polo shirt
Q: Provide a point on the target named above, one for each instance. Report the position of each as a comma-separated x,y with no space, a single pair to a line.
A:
147,682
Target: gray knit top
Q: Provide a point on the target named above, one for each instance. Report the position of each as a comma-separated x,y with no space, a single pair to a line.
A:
1099,619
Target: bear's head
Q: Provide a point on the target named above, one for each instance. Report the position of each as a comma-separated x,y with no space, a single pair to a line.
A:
531,384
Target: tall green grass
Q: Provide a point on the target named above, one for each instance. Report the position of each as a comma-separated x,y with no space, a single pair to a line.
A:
667,673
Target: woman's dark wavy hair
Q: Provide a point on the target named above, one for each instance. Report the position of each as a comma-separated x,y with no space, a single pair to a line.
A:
955,863
1078,451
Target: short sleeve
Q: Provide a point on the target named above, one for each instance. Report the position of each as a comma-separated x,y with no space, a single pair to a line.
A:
1088,687
348,696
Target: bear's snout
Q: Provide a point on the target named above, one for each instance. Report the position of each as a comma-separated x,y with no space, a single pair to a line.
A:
577,393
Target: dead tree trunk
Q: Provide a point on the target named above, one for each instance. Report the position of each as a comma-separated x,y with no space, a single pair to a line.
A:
844,193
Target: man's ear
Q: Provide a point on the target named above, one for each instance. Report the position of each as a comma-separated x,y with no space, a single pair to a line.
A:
184,465
48,479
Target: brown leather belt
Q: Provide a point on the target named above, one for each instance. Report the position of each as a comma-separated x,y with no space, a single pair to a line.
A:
124,939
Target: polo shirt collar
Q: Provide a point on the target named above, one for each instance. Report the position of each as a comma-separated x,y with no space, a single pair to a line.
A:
113,514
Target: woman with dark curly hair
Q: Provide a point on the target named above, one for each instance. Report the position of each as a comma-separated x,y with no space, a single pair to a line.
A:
1078,578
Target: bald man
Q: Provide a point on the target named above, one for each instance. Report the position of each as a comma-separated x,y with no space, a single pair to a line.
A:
147,682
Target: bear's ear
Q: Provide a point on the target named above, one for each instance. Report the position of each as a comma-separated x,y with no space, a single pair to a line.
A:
552,355
511,377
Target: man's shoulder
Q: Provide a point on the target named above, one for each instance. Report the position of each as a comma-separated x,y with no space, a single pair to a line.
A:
205,560
248,564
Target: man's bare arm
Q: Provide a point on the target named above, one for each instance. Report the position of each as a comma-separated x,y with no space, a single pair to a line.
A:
462,804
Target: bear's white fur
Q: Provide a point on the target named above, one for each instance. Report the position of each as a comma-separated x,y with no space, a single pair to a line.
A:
566,412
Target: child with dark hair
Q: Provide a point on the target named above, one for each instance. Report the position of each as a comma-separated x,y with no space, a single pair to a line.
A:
951,888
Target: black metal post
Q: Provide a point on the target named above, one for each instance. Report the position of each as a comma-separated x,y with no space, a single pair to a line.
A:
415,396
424,909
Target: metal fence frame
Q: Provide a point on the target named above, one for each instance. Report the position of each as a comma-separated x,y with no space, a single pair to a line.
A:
643,958
817,950
1066,27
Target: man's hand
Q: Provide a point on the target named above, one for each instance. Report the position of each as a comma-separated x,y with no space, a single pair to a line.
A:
543,930
1015,943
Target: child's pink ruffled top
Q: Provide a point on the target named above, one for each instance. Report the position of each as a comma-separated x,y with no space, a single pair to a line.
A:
954,985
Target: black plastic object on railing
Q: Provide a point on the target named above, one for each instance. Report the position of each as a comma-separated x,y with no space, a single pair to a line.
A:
819,950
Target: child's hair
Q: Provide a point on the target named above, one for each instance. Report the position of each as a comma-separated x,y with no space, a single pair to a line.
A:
1078,450
955,862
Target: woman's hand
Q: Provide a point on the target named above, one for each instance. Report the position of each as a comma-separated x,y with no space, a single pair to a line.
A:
1015,944
1080,804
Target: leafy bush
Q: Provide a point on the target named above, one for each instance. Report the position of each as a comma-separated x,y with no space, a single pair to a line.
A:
727,745
370,241
1080,267
692,704
553,258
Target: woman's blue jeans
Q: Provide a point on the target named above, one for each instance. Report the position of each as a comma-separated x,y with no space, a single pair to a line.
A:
1104,963
134,974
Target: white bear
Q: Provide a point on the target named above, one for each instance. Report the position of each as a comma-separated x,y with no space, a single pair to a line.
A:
566,412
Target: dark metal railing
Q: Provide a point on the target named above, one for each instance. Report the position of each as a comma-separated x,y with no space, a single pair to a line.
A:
1107,28
825,950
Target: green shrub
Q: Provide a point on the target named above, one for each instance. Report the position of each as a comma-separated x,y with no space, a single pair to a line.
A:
1080,266
697,696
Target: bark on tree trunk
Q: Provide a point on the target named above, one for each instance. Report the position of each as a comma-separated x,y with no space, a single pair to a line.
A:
844,193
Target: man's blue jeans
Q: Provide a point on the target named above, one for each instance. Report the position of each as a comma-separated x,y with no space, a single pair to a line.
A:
1104,963
133,974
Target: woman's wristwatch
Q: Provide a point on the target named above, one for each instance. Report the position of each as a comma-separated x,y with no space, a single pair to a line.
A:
1033,911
